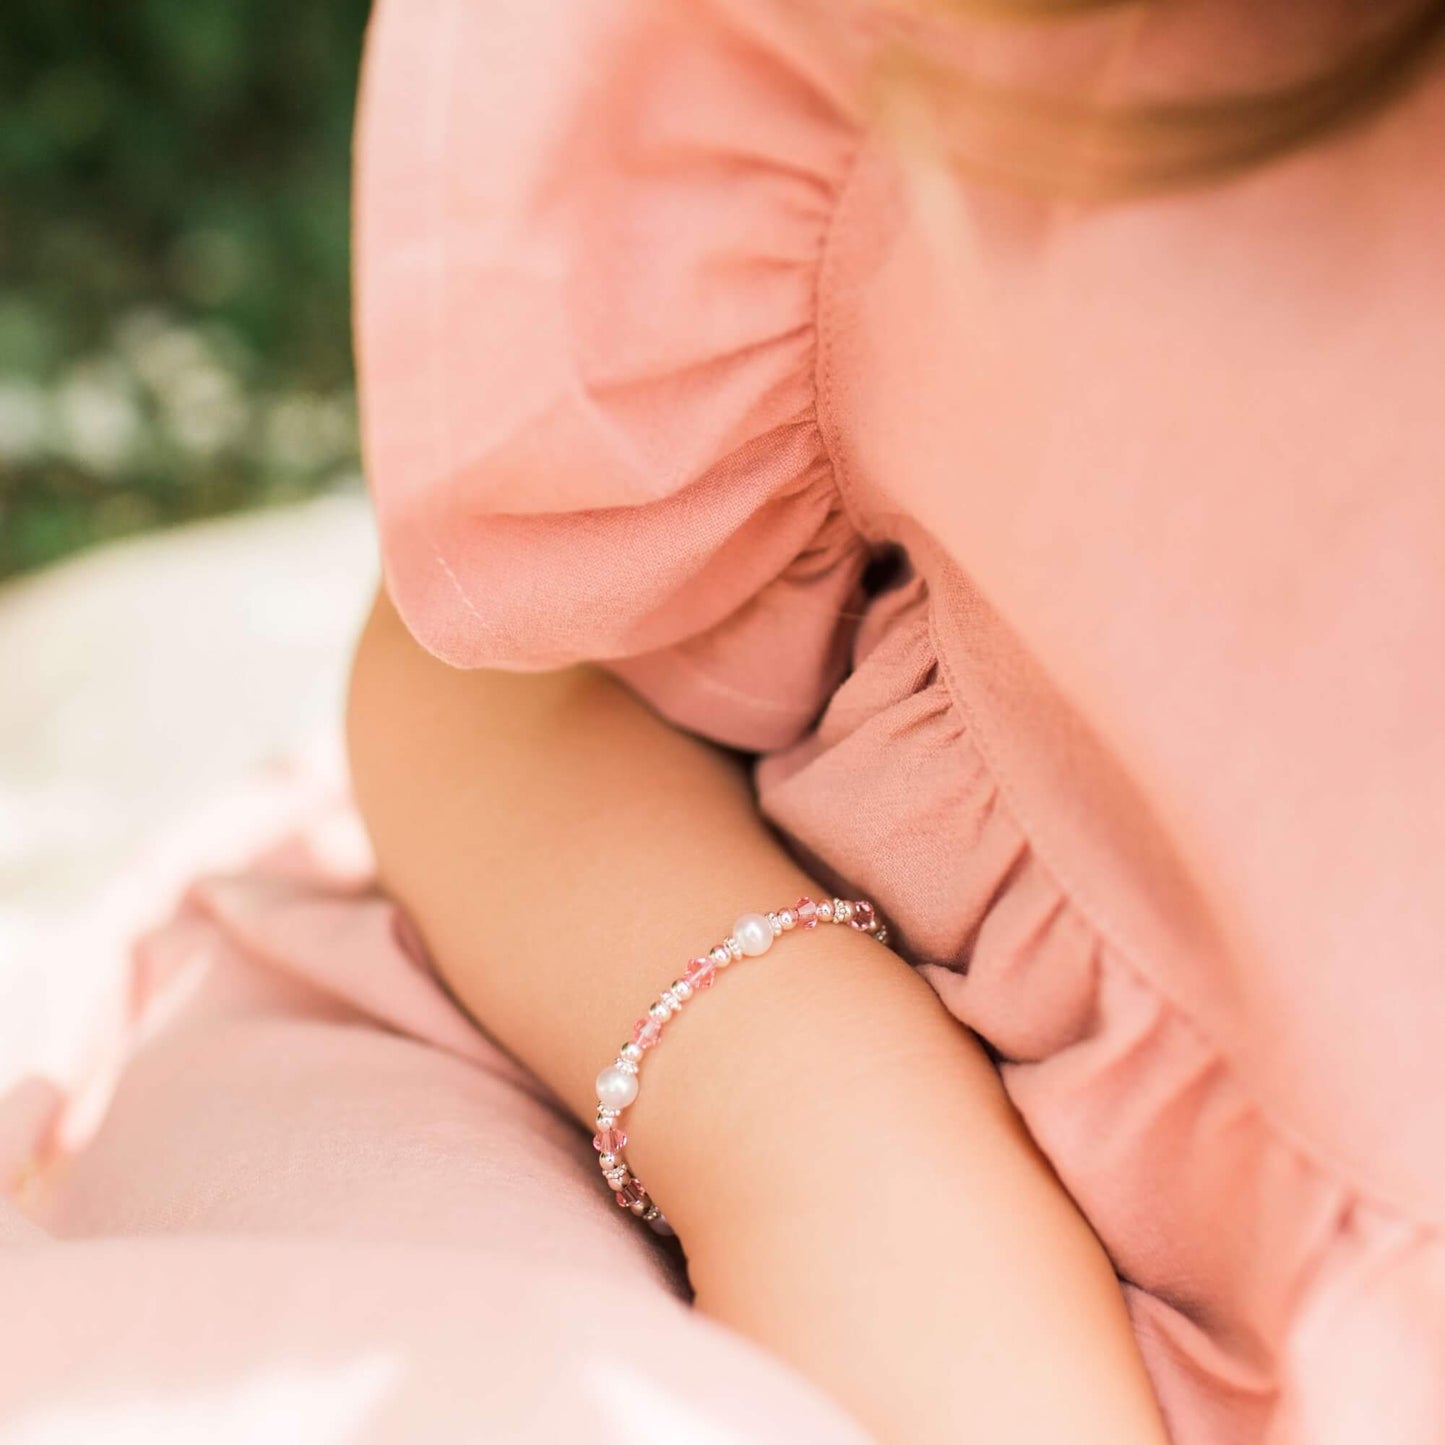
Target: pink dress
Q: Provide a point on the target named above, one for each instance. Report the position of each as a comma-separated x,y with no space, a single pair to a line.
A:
1079,581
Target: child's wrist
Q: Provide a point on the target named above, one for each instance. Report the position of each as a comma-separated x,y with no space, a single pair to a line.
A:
783,1081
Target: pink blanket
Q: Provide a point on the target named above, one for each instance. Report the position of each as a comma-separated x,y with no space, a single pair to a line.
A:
323,1208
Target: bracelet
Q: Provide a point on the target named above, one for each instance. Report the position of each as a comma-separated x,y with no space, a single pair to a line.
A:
617,1084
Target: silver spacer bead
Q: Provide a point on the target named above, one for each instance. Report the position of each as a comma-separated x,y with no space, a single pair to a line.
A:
842,911
734,948
882,934
787,919
626,1065
631,1053
825,912
607,1162
721,956
617,1178
660,1012
775,923
639,1207
681,990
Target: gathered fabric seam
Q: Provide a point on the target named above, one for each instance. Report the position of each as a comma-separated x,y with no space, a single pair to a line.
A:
1101,923
1117,944
823,317
442,442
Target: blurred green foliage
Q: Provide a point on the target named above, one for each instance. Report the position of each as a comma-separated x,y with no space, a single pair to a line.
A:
174,331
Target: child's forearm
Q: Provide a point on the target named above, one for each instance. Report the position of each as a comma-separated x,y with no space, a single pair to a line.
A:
850,1184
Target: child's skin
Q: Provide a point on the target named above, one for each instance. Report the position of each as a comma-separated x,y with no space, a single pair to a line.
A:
852,1188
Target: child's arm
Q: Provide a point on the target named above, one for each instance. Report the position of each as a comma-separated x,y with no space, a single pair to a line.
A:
852,1187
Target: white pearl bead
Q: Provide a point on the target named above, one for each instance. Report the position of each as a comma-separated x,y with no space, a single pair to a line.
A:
754,934
615,1090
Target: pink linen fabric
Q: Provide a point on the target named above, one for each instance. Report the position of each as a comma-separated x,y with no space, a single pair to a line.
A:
1141,741
323,1208
1079,580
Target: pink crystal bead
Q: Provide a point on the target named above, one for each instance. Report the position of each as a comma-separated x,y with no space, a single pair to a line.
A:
807,912
629,1194
646,1032
701,973
863,914
609,1141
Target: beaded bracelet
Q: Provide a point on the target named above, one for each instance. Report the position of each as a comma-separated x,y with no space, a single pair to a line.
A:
752,935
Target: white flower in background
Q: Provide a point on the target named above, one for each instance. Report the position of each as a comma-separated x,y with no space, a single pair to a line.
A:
196,375
160,349
24,419
97,420
193,374
204,409
306,433
137,329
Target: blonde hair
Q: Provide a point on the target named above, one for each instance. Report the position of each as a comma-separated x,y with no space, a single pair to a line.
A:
1070,148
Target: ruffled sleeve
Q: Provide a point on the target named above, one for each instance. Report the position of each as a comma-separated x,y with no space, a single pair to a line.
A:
589,239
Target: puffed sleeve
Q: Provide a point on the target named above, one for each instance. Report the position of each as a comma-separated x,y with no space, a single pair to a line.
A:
588,243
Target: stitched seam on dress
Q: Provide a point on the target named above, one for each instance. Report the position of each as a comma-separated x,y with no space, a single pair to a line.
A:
1321,1160
694,669
824,314
456,582
677,658
820,267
